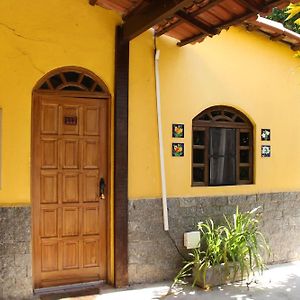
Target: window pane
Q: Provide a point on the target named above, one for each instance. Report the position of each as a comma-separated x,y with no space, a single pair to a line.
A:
55,81
198,137
228,114
222,156
239,120
198,174
244,138
244,156
244,173
216,113
71,76
198,156
205,118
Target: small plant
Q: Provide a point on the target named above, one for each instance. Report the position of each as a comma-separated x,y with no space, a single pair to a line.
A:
233,249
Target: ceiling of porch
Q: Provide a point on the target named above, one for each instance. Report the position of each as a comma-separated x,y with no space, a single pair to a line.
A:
191,21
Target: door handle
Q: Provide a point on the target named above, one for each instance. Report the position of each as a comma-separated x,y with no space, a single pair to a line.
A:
102,188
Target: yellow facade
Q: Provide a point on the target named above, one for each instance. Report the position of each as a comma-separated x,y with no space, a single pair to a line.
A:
36,38
245,70
237,68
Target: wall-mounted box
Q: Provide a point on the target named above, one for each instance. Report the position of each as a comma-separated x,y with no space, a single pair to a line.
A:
191,239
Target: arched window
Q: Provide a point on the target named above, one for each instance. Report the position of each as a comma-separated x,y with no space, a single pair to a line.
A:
222,147
70,80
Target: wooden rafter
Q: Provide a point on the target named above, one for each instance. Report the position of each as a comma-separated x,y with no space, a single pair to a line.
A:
277,37
251,6
193,14
231,22
195,22
296,47
155,12
220,27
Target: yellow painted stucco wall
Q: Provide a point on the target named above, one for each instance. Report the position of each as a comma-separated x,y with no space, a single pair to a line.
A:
245,70
237,68
35,38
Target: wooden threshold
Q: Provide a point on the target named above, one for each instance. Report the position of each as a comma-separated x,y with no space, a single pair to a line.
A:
68,288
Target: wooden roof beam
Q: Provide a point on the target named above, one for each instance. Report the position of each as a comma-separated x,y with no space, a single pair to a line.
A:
155,12
197,23
236,21
295,47
194,14
277,37
251,6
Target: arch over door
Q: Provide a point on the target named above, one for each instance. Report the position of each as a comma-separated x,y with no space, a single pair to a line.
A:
69,159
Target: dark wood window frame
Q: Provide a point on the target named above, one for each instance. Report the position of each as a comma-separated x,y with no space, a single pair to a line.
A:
221,117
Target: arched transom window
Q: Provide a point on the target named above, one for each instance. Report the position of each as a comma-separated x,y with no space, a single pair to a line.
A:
72,80
222,147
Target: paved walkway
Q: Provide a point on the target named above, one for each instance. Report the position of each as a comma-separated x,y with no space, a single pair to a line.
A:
280,282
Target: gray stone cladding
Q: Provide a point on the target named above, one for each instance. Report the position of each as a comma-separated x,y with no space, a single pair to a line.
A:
153,256
15,253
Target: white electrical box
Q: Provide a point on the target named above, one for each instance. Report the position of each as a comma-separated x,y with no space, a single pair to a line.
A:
192,239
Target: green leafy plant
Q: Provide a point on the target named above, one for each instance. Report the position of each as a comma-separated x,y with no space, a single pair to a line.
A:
287,16
237,246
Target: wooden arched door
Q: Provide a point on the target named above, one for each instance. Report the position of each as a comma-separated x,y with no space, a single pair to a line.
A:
69,178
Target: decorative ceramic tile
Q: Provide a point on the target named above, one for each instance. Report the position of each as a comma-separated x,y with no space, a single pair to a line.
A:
177,149
177,130
265,134
265,151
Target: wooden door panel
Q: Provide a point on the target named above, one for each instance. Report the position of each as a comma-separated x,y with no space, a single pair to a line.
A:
90,154
71,187
49,119
91,121
70,119
49,218
90,253
49,188
70,154
70,221
70,255
69,224
49,256
49,153
91,187
90,220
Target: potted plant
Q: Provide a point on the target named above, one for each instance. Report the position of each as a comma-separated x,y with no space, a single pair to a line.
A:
226,253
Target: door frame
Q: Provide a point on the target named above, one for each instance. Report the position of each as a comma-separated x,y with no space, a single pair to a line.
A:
37,93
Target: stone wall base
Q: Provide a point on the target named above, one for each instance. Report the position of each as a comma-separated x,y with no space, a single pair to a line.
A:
15,253
153,256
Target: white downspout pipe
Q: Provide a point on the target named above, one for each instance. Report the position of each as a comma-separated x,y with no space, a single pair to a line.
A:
161,146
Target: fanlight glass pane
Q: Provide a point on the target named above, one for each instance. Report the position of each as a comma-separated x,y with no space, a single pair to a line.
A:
88,82
71,76
56,81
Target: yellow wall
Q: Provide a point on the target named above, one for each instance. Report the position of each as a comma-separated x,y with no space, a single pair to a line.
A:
36,37
237,68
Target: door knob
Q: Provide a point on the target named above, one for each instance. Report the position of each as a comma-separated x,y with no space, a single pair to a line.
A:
102,188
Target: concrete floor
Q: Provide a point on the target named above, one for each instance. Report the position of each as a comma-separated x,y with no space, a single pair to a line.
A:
279,282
